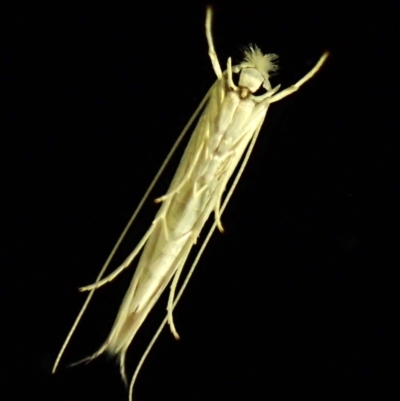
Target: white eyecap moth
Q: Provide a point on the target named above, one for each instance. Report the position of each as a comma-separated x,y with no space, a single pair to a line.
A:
226,131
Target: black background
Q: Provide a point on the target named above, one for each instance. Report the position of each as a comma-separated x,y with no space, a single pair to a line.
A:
299,298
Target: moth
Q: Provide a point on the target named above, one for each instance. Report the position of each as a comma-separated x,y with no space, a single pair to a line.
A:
229,120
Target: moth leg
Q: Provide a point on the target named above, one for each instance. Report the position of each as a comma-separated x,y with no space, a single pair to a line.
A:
124,265
182,256
171,301
187,176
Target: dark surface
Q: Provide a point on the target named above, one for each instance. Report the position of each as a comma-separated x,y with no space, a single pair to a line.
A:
299,298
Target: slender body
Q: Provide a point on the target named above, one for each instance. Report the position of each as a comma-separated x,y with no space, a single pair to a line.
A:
217,144
229,124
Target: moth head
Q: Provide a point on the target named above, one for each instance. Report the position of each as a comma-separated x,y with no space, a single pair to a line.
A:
254,71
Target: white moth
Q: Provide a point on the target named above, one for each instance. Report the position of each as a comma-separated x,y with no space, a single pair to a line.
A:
229,125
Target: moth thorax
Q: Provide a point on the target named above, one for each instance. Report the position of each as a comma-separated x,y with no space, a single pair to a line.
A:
251,79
